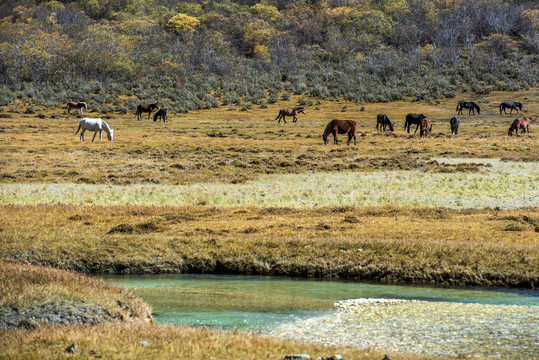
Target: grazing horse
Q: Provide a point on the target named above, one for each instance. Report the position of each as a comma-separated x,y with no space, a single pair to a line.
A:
77,105
146,108
510,105
95,125
289,112
522,123
162,115
415,119
426,127
340,127
470,105
454,122
382,121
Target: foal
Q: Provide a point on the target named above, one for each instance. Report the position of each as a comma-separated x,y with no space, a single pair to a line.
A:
382,121
162,115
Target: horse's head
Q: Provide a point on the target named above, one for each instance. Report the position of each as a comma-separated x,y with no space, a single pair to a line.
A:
390,125
111,135
519,105
510,132
325,138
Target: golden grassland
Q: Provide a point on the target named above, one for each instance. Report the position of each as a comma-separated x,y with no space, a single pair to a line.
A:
476,243
131,335
234,146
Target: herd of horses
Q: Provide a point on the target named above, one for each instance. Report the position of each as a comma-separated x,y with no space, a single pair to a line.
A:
334,127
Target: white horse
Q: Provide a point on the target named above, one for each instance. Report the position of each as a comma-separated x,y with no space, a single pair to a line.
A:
95,125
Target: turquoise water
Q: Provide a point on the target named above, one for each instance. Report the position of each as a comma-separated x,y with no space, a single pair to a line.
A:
281,300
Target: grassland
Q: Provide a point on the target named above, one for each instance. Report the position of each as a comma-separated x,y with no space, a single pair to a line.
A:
229,191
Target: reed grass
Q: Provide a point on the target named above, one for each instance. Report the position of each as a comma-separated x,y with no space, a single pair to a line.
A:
465,247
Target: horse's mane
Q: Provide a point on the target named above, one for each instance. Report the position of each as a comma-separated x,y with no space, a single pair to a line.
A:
328,128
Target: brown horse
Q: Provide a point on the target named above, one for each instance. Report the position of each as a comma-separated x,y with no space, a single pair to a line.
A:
340,127
146,108
289,112
382,121
76,105
522,123
426,127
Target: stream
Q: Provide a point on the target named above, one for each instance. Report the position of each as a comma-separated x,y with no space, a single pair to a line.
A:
476,322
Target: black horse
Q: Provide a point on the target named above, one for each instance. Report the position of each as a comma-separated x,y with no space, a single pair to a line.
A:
415,119
454,122
470,105
510,105
162,115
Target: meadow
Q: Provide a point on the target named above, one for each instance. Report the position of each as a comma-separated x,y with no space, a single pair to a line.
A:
227,191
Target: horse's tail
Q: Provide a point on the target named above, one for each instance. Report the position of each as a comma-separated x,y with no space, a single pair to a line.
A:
78,129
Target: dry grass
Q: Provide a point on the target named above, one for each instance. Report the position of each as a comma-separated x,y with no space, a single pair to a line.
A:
24,286
233,146
164,342
468,247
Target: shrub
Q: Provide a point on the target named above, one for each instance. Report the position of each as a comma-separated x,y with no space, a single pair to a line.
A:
286,96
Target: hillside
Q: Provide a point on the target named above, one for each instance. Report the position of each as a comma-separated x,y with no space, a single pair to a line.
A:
242,54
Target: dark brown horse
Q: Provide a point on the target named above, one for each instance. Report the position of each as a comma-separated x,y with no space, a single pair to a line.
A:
510,105
413,119
382,121
426,127
76,105
146,108
522,123
283,113
162,115
340,127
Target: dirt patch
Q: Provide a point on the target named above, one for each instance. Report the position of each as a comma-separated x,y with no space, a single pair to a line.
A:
147,227
63,312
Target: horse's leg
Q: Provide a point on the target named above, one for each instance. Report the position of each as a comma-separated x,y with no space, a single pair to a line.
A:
100,135
82,134
95,133
294,119
417,127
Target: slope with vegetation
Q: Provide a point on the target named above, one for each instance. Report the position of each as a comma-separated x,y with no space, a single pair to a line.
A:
202,54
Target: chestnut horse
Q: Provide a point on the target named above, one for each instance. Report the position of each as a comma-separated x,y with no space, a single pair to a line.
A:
76,105
340,127
426,127
146,108
289,112
522,123
382,121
